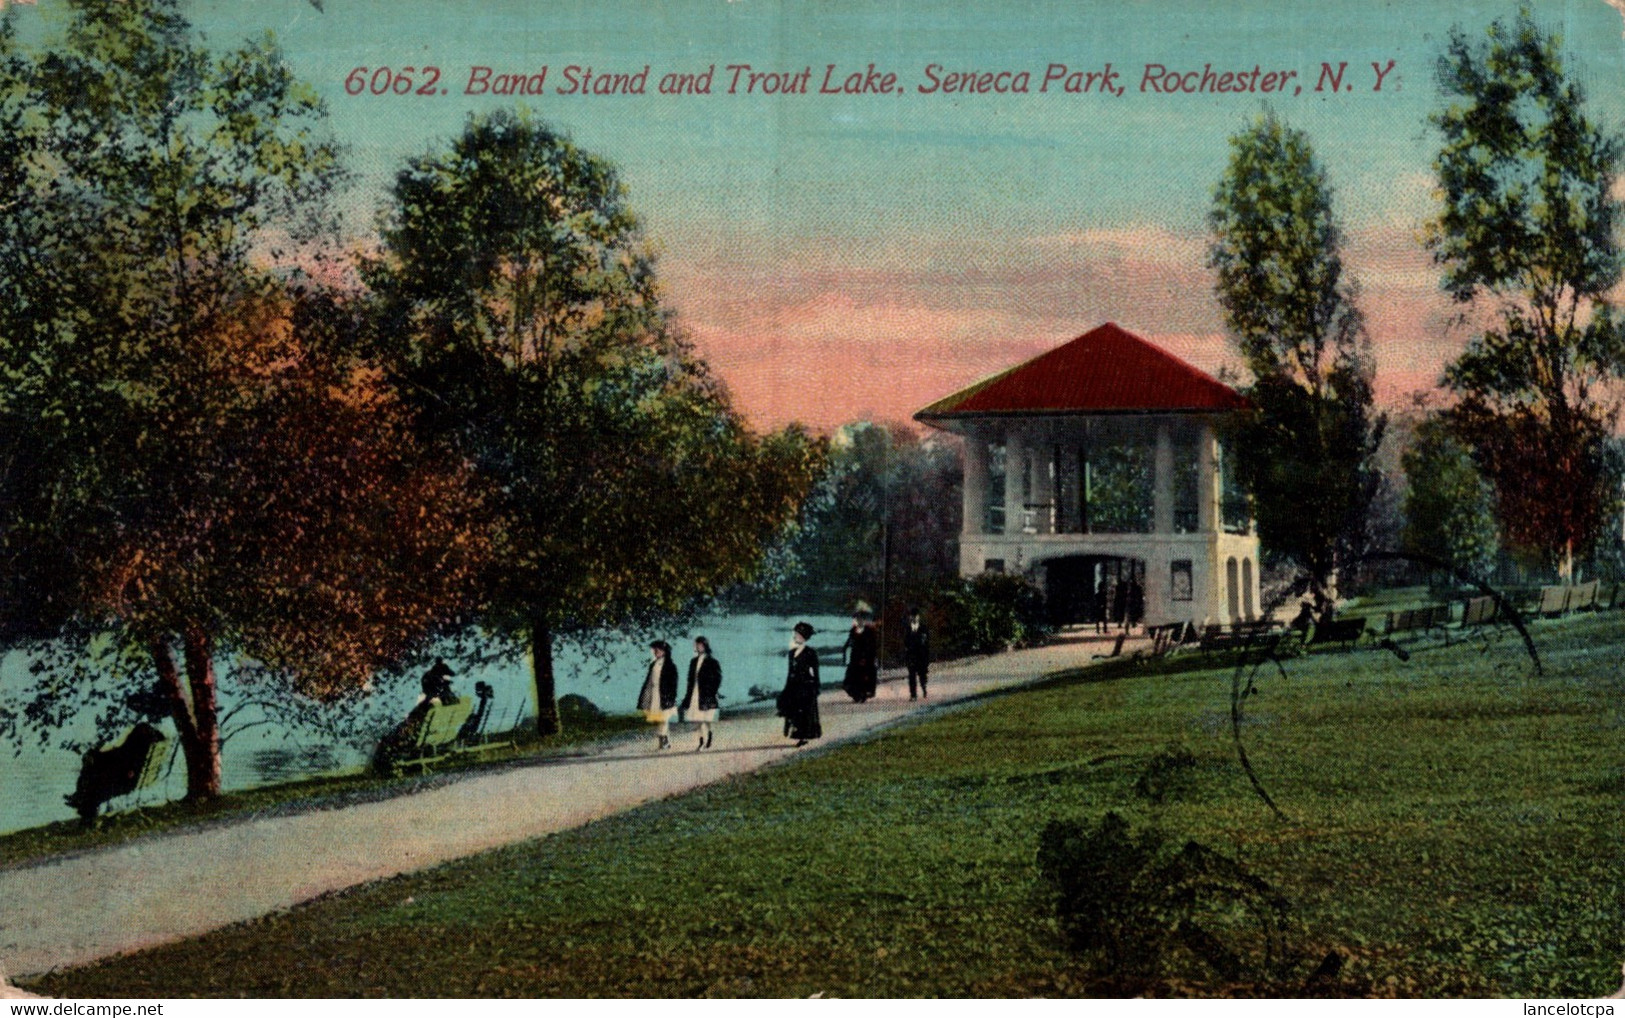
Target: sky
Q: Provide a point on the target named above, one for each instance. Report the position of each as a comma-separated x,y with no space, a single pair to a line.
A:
842,256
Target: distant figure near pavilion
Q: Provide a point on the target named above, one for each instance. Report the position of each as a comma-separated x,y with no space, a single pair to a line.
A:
1097,465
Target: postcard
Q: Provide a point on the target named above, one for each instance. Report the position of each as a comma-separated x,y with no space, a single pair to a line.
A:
741,498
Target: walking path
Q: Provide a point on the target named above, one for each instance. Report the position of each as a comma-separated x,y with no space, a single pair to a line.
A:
172,886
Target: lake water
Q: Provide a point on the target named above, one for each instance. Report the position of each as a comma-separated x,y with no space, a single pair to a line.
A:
751,649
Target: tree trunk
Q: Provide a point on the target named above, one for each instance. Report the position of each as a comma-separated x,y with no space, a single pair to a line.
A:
203,767
194,711
1565,567
541,668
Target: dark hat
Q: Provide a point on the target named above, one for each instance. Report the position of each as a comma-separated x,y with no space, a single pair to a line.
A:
914,609
804,631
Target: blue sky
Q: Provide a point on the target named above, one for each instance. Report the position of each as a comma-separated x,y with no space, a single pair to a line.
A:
893,247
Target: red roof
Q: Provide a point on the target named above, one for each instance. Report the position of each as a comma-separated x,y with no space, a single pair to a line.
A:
1106,370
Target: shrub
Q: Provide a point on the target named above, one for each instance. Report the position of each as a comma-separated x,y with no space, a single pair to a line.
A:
575,709
1167,774
987,614
1139,910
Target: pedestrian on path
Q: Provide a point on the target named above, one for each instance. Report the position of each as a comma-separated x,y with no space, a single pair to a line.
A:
862,655
917,652
798,704
704,680
658,700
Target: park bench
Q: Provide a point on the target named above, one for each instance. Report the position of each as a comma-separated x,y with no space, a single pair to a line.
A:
1608,595
434,737
1479,611
136,761
475,735
1423,619
1217,638
1117,647
1552,601
1344,631
1165,639
1583,596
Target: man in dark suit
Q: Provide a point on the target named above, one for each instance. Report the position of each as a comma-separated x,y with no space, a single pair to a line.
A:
916,652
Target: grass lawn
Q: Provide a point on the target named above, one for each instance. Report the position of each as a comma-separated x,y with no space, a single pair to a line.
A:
1454,827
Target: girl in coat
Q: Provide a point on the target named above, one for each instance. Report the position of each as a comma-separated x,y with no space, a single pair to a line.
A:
700,702
658,700
798,704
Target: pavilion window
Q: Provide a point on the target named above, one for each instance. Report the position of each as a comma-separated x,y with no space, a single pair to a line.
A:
1236,510
1186,483
1118,491
997,477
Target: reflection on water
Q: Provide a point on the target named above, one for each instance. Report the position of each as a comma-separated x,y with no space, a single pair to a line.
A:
751,649
271,766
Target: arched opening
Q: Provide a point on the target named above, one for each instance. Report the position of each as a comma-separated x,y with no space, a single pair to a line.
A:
1247,609
1232,589
1097,589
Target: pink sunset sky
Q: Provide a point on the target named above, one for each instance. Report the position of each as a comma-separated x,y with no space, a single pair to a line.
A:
909,326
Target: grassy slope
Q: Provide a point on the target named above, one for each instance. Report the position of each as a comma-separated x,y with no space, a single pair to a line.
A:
1454,827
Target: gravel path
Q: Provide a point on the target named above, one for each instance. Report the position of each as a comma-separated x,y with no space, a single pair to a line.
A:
171,886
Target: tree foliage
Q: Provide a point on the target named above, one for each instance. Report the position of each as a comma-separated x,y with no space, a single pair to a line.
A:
1304,450
881,481
517,308
1527,224
187,461
1449,507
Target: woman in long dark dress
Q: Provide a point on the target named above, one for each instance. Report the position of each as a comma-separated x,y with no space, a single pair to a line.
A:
862,652
798,704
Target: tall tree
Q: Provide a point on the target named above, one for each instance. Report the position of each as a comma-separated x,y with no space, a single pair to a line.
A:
1527,224
1449,507
517,306
187,463
1304,450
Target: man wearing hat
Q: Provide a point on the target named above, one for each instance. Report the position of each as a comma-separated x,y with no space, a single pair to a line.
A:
916,652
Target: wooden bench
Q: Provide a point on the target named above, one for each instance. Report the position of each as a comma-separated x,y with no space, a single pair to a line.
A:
1583,596
1423,619
1552,601
1165,640
1479,611
125,767
1117,647
475,736
432,737
1344,631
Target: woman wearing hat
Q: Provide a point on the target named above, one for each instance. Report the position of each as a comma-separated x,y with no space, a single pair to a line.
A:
862,653
798,704
658,700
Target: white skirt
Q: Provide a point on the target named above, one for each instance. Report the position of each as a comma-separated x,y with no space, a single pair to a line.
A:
692,712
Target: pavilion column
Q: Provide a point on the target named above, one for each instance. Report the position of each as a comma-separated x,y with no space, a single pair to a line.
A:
975,486
1163,484
1043,454
1015,498
1207,482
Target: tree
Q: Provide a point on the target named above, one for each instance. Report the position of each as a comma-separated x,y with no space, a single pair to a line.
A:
1449,507
1304,450
187,460
516,306
882,517
1527,224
